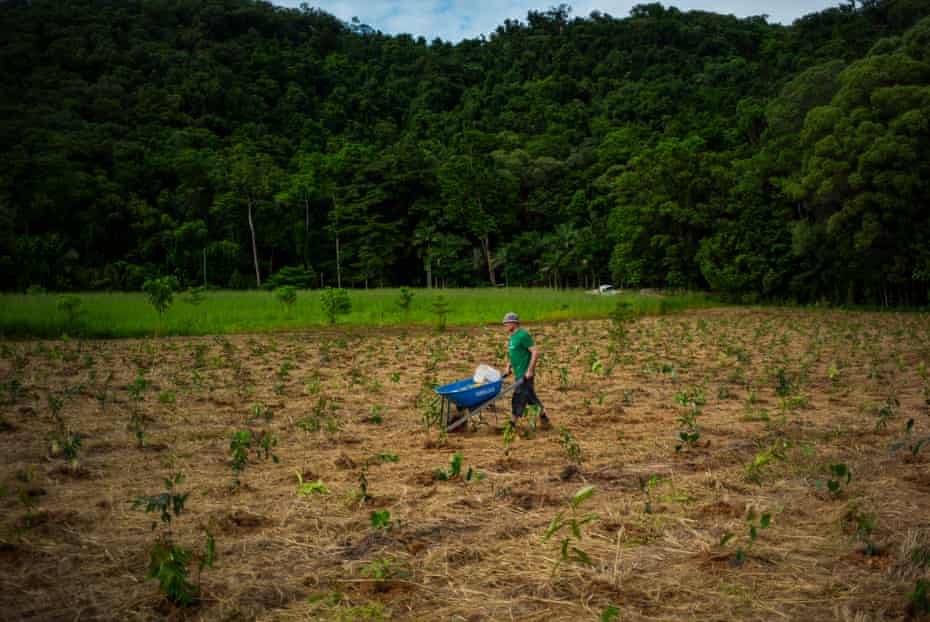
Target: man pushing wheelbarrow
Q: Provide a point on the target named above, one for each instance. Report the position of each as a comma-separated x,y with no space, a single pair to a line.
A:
471,397
522,357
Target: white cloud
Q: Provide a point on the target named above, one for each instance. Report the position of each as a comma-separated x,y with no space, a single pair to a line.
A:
458,19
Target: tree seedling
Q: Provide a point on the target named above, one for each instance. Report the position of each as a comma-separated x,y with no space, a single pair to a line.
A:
455,471
508,436
688,434
376,414
305,489
322,416
571,520
62,440
646,486
913,444
381,520
920,597
405,301
756,469
863,524
261,411
71,306
691,396
886,411
160,294
764,520
361,495
242,442
287,296
783,384
136,425
571,447
169,562
136,388
379,570
440,310
429,404
335,302
840,476
620,316
387,456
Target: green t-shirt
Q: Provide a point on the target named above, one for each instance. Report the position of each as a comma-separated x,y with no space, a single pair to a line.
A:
520,344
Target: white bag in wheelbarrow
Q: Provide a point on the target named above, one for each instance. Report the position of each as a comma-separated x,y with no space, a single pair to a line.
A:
486,373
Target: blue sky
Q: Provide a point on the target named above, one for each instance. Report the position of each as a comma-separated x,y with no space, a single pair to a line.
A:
455,20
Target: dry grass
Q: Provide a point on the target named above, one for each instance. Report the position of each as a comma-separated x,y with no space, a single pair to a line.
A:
473,550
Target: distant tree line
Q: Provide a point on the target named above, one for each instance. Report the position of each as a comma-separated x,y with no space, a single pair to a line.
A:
239,144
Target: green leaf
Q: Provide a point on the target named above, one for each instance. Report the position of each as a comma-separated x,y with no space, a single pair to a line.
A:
610,614
456,463
210,552
380,519
726,538
582,495
582,557
554,527
330,599
317,487
765,520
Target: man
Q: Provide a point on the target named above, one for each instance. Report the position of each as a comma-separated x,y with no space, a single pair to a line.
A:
523,355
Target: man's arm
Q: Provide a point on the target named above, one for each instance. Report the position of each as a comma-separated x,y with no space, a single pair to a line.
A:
534,355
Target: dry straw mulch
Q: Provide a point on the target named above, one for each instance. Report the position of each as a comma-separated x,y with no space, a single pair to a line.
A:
473,550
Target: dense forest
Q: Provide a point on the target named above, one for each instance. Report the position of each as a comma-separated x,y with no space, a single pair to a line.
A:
241,144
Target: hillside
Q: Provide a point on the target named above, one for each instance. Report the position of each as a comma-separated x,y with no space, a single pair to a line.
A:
666,148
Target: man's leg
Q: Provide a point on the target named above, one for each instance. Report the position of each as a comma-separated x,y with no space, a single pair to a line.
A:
518,403
533,399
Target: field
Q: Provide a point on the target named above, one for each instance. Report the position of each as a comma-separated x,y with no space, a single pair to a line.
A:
222,311
799,489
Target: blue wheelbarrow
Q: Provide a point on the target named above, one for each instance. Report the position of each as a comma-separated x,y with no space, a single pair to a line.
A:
469,399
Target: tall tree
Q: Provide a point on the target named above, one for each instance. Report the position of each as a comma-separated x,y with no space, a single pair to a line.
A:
255,178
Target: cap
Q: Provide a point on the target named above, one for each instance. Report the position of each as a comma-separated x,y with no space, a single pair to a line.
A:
511,318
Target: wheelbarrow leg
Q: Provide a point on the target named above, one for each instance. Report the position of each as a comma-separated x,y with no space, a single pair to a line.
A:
479,409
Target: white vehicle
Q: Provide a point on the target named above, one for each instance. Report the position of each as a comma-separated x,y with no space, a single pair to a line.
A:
607,290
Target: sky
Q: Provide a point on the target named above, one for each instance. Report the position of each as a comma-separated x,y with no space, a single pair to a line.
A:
454,20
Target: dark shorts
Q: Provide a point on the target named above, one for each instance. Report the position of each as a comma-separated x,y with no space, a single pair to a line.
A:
523,395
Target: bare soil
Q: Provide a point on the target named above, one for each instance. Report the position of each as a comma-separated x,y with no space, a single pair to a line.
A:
811,389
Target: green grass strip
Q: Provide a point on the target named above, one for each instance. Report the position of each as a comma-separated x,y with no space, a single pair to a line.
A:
225,311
